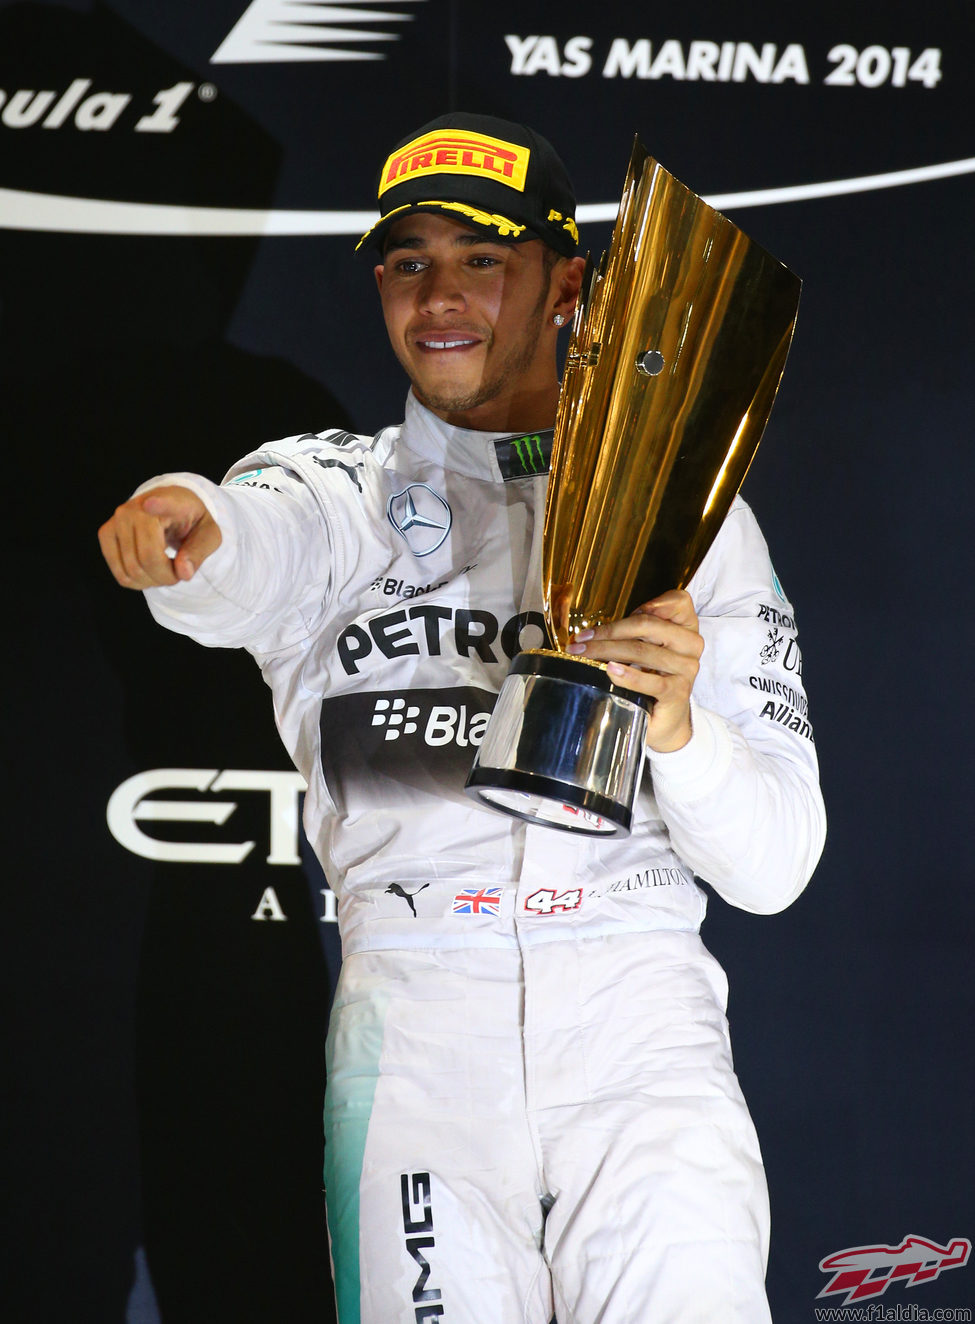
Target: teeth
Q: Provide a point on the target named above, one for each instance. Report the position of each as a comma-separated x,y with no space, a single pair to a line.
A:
446,344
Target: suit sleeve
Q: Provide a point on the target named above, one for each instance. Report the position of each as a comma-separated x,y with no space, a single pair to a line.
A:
267,585
741,800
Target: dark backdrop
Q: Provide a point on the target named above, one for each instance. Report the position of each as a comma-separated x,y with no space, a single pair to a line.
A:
167,1014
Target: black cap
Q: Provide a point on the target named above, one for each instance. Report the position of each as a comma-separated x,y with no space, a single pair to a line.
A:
496,176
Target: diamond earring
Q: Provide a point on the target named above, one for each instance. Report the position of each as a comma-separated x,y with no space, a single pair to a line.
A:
559,319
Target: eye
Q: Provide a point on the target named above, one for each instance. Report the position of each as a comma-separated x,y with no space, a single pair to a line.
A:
410,266
484,261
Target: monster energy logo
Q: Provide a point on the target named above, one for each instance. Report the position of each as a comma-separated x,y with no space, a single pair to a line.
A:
529,451
524,456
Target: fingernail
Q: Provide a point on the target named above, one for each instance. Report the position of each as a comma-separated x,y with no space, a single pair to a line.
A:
575,648
615,669
583,634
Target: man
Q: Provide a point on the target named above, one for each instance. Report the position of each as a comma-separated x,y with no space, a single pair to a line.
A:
531,1101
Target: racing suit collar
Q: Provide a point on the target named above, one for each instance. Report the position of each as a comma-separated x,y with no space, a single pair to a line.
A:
463,450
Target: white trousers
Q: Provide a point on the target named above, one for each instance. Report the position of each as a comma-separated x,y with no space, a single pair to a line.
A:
511,1133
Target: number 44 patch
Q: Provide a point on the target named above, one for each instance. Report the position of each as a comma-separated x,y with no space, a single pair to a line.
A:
547,901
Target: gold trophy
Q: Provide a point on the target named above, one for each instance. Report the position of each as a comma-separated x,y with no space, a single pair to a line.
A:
678,346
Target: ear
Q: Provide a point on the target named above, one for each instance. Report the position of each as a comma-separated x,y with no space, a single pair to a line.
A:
378,273
568,275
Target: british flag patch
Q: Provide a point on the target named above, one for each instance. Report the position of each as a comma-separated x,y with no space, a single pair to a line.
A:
478,901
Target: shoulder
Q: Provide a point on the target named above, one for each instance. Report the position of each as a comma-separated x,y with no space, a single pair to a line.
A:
314,459
737,568
330,444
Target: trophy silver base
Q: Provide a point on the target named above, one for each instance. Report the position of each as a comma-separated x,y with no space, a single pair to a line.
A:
564,747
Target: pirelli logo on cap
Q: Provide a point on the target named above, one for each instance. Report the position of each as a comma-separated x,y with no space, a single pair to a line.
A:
457,152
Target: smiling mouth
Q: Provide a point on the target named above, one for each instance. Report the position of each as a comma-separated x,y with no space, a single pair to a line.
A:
439,344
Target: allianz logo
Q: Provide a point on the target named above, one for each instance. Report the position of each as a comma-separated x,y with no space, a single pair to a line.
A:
443,724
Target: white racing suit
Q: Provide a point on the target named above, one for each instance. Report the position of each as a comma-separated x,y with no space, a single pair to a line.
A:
531,1102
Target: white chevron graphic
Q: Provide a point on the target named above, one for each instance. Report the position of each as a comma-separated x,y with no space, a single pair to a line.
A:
273,31
24,210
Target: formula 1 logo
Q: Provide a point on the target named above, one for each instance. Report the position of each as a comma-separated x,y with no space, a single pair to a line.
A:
273,31
867,1271
94,111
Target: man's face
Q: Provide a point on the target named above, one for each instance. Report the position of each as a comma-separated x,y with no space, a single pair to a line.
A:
470,319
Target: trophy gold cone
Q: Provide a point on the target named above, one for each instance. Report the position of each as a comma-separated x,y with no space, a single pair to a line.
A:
678,346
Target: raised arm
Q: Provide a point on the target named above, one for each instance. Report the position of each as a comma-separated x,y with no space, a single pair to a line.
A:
231,566
159,537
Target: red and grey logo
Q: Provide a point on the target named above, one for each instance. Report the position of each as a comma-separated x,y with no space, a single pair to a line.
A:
867,1271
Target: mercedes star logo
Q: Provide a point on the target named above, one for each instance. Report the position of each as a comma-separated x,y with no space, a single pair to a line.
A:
421,516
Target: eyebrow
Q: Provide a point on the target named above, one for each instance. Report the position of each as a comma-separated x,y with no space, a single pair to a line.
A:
464,239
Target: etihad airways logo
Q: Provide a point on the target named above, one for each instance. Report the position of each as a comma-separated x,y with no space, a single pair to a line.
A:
457,152
137,801
274,31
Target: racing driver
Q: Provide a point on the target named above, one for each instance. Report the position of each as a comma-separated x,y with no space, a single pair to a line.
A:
531,1105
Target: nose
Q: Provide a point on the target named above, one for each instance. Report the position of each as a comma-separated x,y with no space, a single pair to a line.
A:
441,290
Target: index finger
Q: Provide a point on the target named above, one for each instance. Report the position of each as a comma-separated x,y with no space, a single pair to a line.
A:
675,605
134,547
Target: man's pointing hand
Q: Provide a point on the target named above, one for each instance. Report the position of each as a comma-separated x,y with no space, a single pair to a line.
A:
140,539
